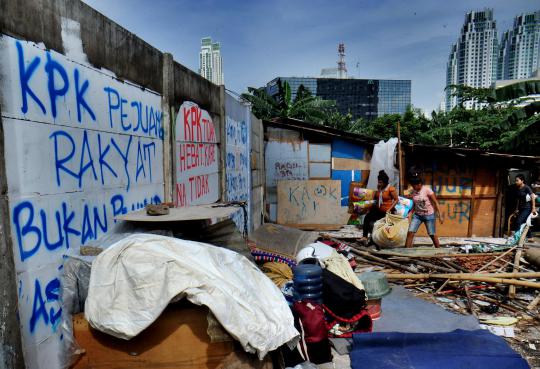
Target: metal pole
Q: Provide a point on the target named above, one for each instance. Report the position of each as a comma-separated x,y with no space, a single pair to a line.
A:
400,164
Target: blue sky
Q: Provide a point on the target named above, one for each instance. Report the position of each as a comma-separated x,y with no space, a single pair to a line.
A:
262,39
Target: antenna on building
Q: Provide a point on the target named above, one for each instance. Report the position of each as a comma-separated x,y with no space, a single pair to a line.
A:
342,69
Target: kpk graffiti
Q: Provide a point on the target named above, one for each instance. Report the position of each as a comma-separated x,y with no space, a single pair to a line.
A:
81,148
197,157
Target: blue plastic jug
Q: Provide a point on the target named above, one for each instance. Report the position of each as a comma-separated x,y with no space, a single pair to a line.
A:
307,279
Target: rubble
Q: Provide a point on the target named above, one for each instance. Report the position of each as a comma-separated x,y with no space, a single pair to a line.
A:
476,283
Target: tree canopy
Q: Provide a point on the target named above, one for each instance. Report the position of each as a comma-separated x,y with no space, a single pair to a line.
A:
501,120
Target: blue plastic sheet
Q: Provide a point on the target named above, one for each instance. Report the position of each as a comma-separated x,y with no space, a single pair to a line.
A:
459,349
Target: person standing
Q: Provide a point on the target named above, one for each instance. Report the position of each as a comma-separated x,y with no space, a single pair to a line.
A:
425,210
386,198
525,203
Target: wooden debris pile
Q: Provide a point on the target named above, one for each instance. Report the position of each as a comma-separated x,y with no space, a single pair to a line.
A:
502,288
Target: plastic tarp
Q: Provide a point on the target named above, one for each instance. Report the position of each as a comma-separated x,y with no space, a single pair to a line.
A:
132,282
384,158
478,349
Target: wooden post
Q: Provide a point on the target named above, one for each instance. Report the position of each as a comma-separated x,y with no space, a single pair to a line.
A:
400,164
472,203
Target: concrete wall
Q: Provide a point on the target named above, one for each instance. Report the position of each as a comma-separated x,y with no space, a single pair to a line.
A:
80,147
237,163
257,172
88,129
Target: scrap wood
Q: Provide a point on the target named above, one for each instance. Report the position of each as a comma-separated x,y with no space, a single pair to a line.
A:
367,255
479,287
442,286
534,302
427,265
517,258
497,258
460,276
488,277
470,305
455,265
507,307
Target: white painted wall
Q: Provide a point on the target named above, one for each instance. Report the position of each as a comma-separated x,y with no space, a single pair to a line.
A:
80,148
237,160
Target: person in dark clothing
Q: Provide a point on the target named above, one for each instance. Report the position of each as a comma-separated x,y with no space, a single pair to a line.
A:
386,199
525,203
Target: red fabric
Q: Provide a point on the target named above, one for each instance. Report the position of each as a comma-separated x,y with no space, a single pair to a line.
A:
311,316
363,320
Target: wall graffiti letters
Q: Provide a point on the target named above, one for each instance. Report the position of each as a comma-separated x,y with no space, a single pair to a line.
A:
237,165
197,157
81,147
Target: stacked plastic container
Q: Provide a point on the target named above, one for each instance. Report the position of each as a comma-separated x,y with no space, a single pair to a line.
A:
308,285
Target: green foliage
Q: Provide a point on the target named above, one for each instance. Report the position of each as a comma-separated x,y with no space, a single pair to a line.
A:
496,124
305,106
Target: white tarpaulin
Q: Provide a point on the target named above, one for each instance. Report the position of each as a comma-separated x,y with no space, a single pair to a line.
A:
132,282
384,158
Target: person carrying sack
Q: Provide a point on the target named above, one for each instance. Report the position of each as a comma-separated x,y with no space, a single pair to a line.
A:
385,198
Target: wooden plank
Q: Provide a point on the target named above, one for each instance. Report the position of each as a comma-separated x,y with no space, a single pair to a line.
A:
310,202
177,339
485,180
473,201
455,214
350,164
316,227
499,212
483,214
196,212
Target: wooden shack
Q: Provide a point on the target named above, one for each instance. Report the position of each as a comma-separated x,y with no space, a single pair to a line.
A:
474,188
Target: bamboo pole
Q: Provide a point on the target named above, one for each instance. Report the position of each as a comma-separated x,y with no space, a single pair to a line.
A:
517,258
456,275
497,258
489,278
534,302
367,255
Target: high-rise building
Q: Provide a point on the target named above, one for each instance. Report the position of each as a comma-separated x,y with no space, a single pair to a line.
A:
473,58
363,98
519,52
210,61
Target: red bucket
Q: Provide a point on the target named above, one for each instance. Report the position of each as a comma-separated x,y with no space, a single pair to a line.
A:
374,308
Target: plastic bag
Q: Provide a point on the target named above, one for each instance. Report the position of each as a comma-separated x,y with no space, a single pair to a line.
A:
404,206
390,231
362,207
362,194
